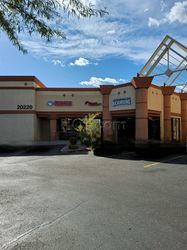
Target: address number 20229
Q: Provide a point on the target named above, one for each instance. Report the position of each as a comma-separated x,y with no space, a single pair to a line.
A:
24,107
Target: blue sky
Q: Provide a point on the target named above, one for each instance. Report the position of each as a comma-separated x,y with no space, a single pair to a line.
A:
107,50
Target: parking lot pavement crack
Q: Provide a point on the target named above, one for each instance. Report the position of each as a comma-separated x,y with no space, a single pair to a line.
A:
41,226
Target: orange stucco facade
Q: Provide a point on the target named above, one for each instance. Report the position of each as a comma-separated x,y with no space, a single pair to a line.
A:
183,97
167,91
141,88
31,112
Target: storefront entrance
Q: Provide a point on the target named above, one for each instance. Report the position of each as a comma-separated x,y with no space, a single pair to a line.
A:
125,130
66,128
154,128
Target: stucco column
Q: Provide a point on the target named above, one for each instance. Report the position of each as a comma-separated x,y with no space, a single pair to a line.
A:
183,97
53,128
141,85
106,115
167,91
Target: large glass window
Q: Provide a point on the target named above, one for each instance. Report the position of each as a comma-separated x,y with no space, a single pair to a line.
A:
154,128
175,129
66,127
125,130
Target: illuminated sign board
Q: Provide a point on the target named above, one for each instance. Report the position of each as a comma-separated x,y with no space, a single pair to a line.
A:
122,101
59,103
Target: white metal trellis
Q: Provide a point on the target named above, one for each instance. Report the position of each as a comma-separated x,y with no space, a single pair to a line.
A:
168,64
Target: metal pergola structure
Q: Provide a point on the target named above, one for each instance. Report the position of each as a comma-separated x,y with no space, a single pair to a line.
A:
168,64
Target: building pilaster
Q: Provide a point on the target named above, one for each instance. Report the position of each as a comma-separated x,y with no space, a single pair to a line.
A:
141,85
53,128
167,91
106,115
183,97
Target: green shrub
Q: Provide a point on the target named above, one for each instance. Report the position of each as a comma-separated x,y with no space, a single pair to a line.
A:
90,130
73,140
73,146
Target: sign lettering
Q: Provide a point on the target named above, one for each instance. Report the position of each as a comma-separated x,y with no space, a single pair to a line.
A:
122,101
24,106
59,103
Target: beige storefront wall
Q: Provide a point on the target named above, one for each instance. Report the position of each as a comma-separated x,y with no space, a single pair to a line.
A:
17,125
18,128
11,98
80,101
175,104
23,126
18,84
122,93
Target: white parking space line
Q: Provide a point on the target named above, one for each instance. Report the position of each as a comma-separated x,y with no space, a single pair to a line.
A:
157,163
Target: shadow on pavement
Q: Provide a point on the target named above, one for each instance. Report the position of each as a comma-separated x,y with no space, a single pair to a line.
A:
39,150
51,150
169,158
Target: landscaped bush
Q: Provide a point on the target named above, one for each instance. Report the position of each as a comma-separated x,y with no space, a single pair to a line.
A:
73,146
73,140
90,130
73,143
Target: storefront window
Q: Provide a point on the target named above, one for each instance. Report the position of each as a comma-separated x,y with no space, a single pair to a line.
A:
175,128
66,127
154,128
125,130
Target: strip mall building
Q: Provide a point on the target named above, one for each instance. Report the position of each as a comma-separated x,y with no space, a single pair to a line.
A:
30,112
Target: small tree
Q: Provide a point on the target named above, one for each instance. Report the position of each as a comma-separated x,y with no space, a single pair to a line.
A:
90,129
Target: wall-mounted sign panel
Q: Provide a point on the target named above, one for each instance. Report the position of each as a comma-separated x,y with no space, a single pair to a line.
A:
59,103
92,103
122,101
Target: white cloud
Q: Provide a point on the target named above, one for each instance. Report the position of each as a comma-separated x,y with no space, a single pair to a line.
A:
111,32
96,82
178,13
94,2
152,22
58,62
146,10
138,49
98,37
120,34
80,62
162,5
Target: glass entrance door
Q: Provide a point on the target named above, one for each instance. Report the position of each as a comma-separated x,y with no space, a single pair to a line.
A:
66,127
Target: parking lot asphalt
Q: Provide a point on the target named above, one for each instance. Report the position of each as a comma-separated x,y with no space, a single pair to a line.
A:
87,202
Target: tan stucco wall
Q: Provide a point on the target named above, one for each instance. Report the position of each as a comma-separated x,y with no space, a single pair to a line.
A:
17,84
118,93
175,104
155,99
44,128
17,128
10,98
78,100
25,128
36,128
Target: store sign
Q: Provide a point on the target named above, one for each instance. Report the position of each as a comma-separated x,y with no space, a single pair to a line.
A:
92,103
122,101
59,103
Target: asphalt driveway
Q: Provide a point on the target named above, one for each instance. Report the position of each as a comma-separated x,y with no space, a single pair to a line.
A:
87,202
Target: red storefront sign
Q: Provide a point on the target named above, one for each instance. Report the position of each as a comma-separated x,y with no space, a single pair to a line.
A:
63,103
